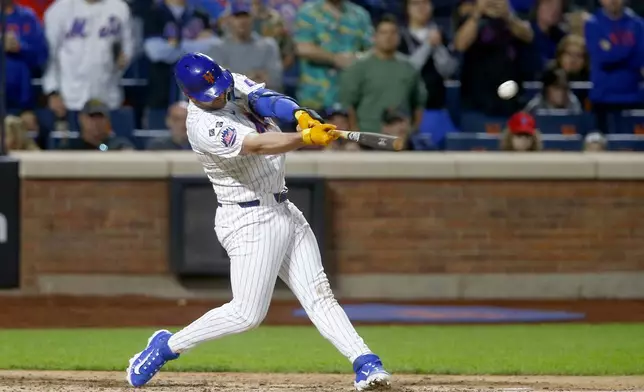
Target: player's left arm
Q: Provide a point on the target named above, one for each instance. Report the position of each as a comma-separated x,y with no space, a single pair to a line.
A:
269,103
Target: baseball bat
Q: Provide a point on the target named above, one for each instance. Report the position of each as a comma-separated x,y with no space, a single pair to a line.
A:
374,140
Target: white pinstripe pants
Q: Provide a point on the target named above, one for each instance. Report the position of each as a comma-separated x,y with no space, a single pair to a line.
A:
263,243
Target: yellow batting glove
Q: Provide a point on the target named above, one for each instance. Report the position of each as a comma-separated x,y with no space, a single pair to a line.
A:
319,135
307,118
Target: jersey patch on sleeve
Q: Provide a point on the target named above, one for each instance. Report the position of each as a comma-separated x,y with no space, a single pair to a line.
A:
249,82
228,136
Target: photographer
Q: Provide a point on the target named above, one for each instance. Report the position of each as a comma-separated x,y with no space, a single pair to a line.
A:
491,39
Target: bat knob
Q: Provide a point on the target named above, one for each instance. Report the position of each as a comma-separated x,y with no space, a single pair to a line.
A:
398,144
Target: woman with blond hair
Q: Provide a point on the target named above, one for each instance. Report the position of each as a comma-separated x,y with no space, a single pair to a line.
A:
572,57
16,136
521,134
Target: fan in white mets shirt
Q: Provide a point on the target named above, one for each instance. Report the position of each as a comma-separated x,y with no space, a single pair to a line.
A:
242,150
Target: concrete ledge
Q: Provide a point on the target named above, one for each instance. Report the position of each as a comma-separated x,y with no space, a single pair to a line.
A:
162,286
605,285
524,166
383,165
624,166
398,286
109,165
158,286
183,164
343,165
299,164
302,164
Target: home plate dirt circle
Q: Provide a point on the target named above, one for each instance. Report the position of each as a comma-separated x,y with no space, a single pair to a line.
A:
65,381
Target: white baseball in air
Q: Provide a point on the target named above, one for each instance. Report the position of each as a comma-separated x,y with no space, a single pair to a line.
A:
507,90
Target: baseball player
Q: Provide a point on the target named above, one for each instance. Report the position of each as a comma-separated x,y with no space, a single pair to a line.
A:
242,151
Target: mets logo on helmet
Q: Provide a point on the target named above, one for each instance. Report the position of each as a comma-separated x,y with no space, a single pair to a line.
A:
209,78
228,136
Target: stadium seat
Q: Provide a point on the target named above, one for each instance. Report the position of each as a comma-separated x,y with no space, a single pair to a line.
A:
74,122
625,142
155,119
453,102
473,122
123,121
59,139
435,124
530,90
558,122
44,116
422,142
122,124
466,141
47,120
562,142
629,122
141,137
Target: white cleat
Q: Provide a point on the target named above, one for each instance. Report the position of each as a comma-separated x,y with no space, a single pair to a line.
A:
375,382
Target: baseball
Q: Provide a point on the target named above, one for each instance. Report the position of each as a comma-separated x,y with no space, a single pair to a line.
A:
507,90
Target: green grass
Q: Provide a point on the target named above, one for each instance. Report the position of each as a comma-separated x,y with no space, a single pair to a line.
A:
522,349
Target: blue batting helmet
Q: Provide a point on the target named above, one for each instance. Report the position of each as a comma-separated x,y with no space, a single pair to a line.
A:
201,78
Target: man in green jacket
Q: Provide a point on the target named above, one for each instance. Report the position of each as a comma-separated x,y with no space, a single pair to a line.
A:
383,79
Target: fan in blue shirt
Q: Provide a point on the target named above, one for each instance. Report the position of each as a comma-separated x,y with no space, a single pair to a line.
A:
26,51
615,42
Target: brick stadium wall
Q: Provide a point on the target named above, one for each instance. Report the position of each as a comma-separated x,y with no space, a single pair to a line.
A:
487,226
93,226
377,226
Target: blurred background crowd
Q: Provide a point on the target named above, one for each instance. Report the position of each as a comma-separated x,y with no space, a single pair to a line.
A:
97,74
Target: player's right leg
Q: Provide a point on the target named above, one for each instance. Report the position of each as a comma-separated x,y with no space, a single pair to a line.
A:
256,240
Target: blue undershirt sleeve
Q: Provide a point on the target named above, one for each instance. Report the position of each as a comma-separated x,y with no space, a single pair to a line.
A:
268,103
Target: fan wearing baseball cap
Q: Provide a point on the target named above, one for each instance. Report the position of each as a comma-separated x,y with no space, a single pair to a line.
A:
521,134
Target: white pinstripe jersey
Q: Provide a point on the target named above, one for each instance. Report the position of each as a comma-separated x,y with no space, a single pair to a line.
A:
216,136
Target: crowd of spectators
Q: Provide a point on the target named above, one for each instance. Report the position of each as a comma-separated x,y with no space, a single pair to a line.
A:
370,65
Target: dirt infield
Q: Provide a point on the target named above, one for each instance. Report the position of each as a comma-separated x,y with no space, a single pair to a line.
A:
31,381
69,311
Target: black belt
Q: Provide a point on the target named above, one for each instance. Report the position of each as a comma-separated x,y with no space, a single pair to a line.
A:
279,197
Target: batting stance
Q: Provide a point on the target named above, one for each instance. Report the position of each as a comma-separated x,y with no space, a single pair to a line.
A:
242,151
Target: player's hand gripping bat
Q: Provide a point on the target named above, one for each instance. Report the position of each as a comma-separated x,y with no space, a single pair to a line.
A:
374,140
